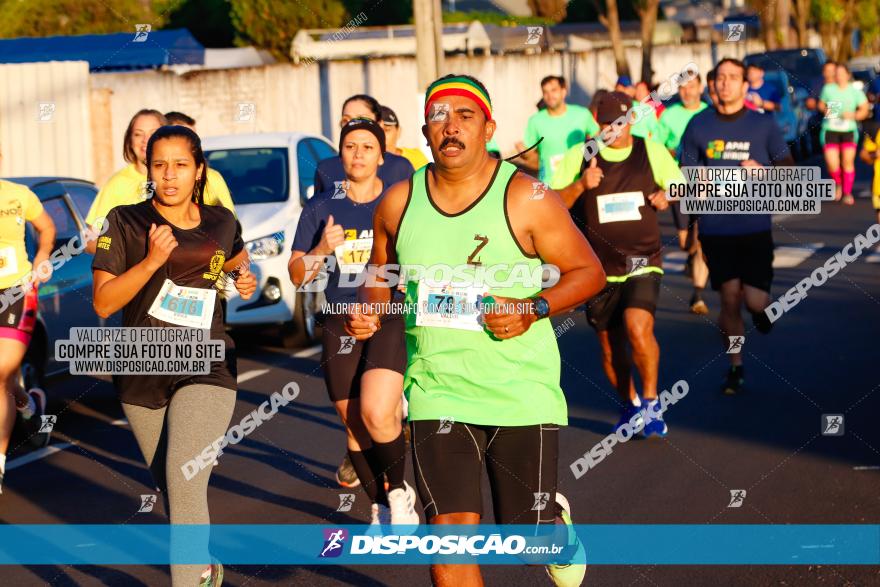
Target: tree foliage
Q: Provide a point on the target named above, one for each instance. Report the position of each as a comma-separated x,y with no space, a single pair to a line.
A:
44,18
272,25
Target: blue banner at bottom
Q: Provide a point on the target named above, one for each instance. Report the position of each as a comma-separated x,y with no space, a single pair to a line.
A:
614,544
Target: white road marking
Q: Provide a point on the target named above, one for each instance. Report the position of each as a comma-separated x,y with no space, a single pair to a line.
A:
248,375
37,455
675,261
786,257
307,352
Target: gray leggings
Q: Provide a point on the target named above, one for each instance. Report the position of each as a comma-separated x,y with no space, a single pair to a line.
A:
168,437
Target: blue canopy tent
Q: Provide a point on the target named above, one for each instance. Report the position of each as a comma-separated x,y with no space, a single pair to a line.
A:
115,52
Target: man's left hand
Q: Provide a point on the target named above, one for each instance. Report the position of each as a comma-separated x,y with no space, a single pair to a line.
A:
509,317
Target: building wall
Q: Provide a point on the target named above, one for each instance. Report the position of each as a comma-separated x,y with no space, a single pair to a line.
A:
285,98
60,144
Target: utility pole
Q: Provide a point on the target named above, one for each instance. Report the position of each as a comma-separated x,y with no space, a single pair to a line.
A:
429,47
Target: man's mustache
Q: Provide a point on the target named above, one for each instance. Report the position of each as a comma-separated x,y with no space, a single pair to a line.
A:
451,141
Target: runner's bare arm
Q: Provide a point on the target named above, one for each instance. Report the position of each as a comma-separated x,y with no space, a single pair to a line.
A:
386,222
305,266
545,227
245,281
364,321
46,229
571,192
110,293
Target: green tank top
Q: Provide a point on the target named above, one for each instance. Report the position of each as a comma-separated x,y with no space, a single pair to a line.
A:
466,375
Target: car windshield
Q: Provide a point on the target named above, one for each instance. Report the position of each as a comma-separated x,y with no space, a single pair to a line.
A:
254,176
801,69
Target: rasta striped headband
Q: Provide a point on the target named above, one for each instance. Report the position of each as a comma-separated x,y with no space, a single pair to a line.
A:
458,86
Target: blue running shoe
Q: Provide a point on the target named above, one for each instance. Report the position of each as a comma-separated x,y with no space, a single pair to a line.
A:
654,424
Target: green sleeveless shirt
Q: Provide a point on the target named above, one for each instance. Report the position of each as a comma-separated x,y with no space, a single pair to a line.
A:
465,375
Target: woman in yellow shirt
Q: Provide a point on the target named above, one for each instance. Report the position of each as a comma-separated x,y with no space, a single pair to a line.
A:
18,306
392,132
129,185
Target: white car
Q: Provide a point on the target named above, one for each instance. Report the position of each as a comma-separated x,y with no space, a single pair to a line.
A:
270,177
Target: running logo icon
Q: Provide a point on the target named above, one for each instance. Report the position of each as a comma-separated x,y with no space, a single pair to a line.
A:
346,345
333,542
445,425
832,424
439,112
541,501
46,111
833,109
737,496
247,111
535,33
147,189
147,503
736,344
734,31
538,189
47,423
636,263
339,190
142,31
346,500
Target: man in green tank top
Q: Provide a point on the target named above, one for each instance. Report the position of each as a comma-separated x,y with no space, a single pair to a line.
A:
483,366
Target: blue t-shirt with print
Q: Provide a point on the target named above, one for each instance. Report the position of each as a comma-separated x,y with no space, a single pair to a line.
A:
357,224
726,140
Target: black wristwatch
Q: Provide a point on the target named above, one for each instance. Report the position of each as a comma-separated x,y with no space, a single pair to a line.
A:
540,307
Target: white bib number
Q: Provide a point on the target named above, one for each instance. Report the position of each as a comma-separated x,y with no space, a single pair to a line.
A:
450,307
352,255
184,306
838,124
8,262
620,207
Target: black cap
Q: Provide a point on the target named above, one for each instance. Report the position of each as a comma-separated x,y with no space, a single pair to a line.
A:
388,116
363,124
612,106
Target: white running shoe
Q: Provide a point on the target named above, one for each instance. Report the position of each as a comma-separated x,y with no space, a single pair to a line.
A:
402,504
379,515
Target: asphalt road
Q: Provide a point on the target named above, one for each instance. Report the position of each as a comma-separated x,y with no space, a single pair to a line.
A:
820,358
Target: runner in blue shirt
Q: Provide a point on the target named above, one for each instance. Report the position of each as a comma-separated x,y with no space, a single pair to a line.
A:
738,247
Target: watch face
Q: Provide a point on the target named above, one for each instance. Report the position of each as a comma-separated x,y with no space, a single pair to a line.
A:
542,307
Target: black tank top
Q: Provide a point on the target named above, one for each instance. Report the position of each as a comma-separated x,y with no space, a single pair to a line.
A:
626,226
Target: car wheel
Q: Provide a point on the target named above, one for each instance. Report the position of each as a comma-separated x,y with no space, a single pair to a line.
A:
303,330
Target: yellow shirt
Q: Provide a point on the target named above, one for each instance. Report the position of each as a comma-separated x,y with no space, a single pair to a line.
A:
128,186
414,156
18,205
872,145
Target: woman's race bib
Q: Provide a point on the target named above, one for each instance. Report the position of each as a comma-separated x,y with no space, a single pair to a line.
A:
184,306
352,255
448,306
8,262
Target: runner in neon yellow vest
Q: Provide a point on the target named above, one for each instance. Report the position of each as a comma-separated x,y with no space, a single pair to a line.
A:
483,365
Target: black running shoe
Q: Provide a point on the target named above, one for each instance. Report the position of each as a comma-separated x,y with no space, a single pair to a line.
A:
733,383
762,322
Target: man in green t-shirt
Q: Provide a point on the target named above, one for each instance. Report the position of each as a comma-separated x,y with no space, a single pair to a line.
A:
673,121
561,124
